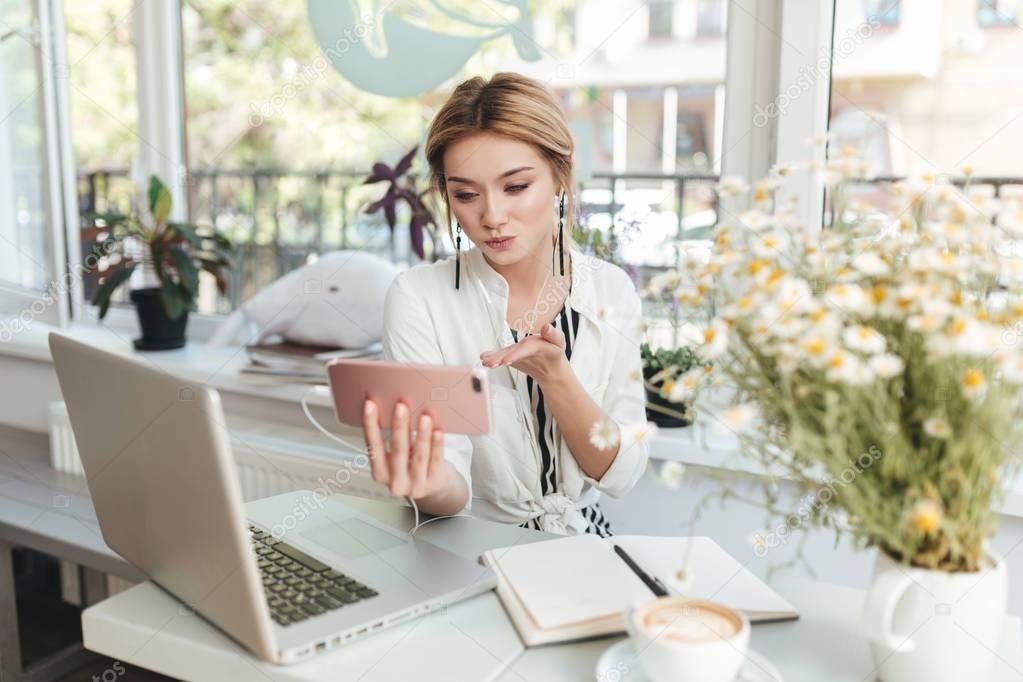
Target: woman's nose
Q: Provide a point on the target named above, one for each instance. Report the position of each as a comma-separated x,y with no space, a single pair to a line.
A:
494,212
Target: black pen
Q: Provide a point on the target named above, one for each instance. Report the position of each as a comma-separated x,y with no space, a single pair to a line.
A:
655,585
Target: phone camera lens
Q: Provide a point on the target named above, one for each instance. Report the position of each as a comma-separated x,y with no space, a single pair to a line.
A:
477,386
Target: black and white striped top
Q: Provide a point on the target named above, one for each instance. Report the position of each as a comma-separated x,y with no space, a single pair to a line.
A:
544,428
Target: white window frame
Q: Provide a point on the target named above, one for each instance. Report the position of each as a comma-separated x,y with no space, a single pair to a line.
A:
53,305
772,45
159,68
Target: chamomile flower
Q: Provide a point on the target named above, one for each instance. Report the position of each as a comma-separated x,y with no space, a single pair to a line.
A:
971,338
864,339
846,368
754,220
870,263
715,340
849,298
732,185
973,384
887,365
739,417
1012,368
672,474
604,434
926,516
937,427
642,433
684,388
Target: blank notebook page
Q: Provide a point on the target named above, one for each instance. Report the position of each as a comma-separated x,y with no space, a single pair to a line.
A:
570,580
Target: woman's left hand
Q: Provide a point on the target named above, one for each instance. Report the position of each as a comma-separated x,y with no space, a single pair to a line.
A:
540,356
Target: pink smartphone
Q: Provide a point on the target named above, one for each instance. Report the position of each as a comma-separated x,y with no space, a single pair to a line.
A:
456,398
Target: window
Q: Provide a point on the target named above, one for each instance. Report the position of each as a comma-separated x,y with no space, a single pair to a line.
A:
661,12
279,141
884,12
997,13
25,238
913,105
710,17
104,116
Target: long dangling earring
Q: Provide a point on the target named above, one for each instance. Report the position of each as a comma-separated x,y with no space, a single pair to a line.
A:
561,238
458,250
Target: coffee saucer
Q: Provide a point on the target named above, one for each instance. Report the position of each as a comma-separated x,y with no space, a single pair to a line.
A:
620,664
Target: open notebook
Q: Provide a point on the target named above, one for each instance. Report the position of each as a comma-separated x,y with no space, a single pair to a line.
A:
577,586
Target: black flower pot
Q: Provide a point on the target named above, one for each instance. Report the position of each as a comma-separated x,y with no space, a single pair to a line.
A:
662,420
159,332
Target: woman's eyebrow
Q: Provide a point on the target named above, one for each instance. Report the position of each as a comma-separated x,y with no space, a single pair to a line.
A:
513,171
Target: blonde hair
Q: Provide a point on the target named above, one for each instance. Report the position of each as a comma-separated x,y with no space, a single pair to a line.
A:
512,105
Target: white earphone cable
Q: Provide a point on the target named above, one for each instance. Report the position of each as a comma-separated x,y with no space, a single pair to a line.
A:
363,450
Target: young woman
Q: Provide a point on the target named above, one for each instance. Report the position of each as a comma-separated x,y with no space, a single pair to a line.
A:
560,331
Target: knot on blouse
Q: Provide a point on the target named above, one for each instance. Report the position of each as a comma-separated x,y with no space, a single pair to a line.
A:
558,514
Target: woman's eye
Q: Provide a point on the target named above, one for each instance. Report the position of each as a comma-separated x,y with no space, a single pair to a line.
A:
464,196
517,188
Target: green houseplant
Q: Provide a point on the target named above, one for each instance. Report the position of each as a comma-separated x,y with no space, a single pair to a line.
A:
170,253
671,377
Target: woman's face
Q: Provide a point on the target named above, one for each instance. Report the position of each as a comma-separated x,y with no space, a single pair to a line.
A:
500,187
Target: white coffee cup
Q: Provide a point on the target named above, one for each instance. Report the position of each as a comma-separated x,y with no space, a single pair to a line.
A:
678,638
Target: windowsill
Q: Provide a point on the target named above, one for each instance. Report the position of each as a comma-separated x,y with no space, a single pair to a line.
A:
704,445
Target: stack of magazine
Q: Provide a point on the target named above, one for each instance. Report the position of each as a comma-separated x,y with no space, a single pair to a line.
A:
285,361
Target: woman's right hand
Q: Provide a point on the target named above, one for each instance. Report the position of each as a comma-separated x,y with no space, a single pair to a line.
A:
414,465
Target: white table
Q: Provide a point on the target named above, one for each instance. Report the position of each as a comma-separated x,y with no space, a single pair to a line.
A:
474,640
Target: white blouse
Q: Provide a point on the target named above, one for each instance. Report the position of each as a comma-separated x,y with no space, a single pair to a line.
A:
428,321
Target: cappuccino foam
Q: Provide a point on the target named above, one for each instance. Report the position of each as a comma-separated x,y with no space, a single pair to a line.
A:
689,623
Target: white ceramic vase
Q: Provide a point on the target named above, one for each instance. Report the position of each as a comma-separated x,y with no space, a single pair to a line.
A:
933,625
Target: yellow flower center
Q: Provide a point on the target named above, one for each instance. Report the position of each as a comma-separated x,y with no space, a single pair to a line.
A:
927,518
973,378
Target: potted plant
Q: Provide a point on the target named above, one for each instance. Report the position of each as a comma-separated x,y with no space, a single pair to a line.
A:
671,378
876,367
171,255
403,187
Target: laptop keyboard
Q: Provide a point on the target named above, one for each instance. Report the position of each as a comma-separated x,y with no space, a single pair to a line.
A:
298,586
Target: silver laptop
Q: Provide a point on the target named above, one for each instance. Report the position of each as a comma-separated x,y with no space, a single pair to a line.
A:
287,576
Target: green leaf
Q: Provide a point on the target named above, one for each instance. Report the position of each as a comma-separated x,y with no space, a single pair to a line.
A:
187,271
159,200
175,301
187,232
111,281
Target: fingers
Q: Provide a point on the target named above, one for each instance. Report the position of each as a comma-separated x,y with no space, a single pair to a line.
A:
399,450
493,358
375,443
420,465
551,333
436,453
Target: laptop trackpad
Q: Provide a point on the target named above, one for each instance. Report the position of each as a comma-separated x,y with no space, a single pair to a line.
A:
352,538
